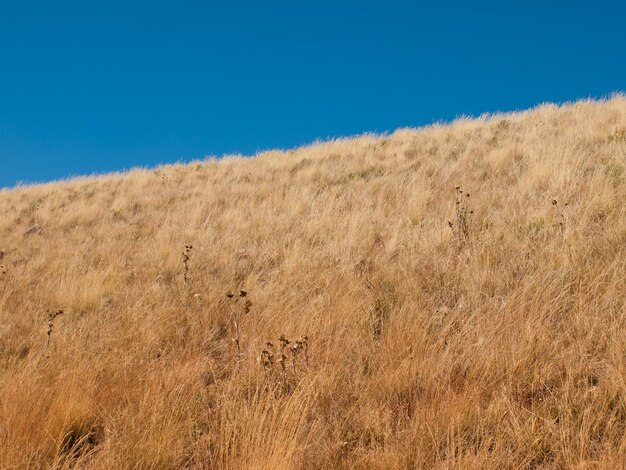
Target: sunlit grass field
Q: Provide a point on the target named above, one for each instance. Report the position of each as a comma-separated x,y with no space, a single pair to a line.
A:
446,297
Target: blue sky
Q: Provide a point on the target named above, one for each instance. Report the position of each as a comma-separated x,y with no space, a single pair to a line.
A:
91,88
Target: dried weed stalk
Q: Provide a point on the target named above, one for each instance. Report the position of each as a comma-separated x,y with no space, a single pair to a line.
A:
461,226
282,364
560,215
240,307
186,259
51,316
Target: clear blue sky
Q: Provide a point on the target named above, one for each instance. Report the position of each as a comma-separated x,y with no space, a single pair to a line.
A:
90,88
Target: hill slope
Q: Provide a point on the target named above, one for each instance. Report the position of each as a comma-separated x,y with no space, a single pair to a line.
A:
483,333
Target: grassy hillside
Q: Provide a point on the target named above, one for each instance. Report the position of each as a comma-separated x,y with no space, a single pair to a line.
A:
453,297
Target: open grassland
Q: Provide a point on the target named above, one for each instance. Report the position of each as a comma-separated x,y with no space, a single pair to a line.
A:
429,326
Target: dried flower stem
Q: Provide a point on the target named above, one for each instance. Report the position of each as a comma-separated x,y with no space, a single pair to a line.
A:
186,259
51,317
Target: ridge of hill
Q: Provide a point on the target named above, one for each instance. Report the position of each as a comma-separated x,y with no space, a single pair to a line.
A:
447,297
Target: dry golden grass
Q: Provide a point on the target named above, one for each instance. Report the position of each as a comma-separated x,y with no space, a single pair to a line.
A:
496,342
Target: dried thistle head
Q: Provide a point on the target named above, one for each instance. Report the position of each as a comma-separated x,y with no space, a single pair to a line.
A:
53,314
266,359
283,341
300,342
